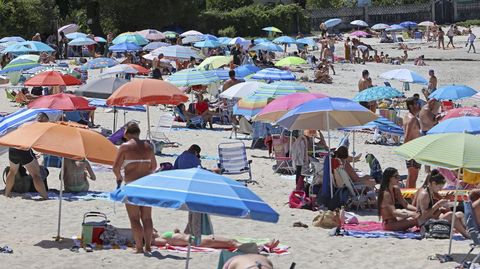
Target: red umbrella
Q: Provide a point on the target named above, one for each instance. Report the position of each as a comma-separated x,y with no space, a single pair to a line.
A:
52,78
61,101
141,70
462,112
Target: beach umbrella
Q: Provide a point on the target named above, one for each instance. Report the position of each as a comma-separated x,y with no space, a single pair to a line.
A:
470,125
5,45
12,39
285,40
395,27
76,35
408,24
241,90
103,103
380,26
404,75
151,34
130,37
209,37
359,34
278,107
291,60
23,115
61,101
19,65
271,74
28,57
280,88
190,77
332,22
426,24
272,29
42,68
37,46
198,191
99,39
267,46
170,34
462,112
250,106
307,41
359,23
215,62
67,29
125,46
377,93
192,39
140,69
147,92
82,41
382,124
100,87
240,72
453,92
260,40
224,40
63,140
191,32
207,44
120,69
176,51
17,48
237,40
99,63
155,45
52,78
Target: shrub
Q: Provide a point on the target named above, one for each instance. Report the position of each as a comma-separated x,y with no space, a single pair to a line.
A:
228,31
468,23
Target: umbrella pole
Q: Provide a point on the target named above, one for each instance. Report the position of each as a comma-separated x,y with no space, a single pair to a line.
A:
114,119
148,123
353,149
188,251
62,172
329,157
453,215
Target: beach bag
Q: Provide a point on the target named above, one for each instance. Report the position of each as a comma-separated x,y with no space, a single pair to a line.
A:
166,166
327,219
298,199
437,229
23,181
93,229
52,161
196,123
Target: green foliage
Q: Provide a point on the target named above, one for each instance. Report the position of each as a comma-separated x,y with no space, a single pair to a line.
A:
397,2
468,23
316,4
226,5
228,31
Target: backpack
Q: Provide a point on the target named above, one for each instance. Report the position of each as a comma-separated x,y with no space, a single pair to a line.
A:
299,199
23,181
437,229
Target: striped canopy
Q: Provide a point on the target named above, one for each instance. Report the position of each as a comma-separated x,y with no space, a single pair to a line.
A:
190,77
24,115
377,93
250,106
130,37
99,63
280,88
19,65
176,51
272,74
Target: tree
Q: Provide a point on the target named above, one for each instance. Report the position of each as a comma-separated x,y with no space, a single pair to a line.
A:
226,5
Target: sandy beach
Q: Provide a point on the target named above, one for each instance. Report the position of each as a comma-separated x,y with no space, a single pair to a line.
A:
28,226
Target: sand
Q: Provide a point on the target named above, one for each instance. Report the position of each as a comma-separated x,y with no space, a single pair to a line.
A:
27,226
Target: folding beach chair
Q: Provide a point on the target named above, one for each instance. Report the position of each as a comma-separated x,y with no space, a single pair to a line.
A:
233,160
163,128
244,127
10,95
280,146
473,231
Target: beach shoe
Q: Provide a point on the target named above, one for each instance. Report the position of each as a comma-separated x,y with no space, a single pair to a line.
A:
300,224
89,248
6,249
75,249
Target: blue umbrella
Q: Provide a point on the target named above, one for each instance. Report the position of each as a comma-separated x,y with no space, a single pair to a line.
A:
81,41
383,124
99,63
75,35
210,37
377,93
332,22
37,46
125,46
19,65
155,45
196,190
19,117
17,48
12,39
469,125
236,40
207,44
395,27
260,40
267,46
408,24
284,40
224,40
307,41
271,74
453,92
404,75
240,72
103,103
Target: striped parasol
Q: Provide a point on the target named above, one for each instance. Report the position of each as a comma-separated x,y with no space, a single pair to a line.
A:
98,63
280,88
272,74
19,65
176,51
250,106
190,77
130,37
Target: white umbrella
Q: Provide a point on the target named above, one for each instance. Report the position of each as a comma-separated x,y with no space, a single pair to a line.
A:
359,23
380,26
426,23
67,29
151,34
176,51
404,75
82,41
191,32
149,56
118,69
242,89
237,40
192,39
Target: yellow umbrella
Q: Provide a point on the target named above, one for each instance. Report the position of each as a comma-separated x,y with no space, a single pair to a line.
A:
215,62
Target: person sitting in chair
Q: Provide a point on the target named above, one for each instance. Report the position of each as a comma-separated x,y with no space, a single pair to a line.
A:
75,175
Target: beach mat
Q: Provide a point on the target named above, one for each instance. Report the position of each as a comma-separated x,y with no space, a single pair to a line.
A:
80,196
203,157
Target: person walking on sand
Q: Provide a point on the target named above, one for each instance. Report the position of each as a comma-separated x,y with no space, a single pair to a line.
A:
411,126
450,34
441,35
470,40
137,160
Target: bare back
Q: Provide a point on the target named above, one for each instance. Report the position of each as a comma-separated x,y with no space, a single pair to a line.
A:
411,125
137,159
427,118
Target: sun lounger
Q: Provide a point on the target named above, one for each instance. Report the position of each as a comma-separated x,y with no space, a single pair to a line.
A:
472,229
10,95
233,160
280,145
163,128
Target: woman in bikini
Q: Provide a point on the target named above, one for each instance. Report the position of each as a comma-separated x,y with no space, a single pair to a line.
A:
428,202
137,160
396,219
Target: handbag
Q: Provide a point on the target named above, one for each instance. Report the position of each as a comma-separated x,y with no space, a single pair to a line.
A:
437,229
327,219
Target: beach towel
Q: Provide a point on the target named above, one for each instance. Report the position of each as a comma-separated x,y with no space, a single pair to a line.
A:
203,157
83,196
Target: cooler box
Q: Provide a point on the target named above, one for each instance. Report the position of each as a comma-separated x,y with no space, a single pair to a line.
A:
93,226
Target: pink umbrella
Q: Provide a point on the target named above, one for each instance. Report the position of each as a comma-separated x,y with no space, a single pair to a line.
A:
278,107
462,112
359,34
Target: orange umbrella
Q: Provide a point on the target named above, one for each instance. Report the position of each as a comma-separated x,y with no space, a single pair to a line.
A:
147,92
141,70
52,78
65,140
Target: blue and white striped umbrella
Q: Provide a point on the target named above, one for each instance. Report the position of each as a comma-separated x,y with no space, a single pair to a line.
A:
155,45
196,190
14,120
125,46
12,39
377,93
176,51
279,88
240,72
267,46
82,41
98,63
453,92
332,22
191,77
237,40
271,74
285,40
207,44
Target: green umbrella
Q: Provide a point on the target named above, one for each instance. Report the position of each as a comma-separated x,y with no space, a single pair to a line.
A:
272,29
215,62
291,60
449,150
170,34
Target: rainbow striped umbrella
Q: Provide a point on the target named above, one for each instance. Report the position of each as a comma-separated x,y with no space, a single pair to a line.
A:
250,106
280,88
19,65
190,77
